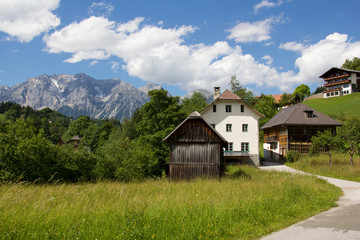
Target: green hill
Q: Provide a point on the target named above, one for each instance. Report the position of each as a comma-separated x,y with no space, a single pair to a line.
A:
345,105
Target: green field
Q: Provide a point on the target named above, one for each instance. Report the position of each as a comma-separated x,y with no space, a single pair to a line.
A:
247,204
2,117
345,105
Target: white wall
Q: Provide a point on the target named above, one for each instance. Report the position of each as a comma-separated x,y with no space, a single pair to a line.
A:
220,118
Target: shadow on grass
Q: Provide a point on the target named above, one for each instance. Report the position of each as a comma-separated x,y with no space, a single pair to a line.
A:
234,172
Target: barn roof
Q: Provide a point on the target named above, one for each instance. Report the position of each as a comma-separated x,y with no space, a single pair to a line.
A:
197,116
298,115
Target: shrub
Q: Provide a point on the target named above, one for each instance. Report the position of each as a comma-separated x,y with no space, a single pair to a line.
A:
292,156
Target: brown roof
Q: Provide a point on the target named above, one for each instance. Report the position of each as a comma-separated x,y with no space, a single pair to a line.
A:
297,115
229,95
277,97
328,72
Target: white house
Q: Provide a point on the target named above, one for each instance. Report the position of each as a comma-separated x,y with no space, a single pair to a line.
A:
238,123
339,82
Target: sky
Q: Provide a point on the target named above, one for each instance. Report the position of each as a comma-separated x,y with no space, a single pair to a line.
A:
271,45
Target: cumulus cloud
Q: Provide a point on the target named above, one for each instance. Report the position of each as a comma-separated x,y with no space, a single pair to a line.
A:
330,52
161,55
267,4
101,9
26,19
245,32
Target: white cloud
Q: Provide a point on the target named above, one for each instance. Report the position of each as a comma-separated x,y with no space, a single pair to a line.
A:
161,55
330,52
114,66
267,4
93,63
26,19
101,9
246,32
269,60
292,46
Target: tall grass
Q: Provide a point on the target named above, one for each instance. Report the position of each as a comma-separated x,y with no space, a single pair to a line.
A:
340,166
245,205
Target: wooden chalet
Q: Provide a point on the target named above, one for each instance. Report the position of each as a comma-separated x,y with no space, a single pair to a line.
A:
196,150
292,129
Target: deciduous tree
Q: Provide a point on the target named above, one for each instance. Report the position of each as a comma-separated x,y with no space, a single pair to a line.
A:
325,141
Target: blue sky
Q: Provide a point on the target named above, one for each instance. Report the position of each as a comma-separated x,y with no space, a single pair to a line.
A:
271,45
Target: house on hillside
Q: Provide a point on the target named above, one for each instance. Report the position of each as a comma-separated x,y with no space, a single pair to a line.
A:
196,149
339,82
237,123
75,141
292,129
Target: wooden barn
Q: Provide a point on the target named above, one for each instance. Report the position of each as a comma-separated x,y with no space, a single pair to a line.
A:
196,150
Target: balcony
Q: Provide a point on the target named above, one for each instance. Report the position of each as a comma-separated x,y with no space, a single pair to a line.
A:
332,90
271,139
340,76
337,83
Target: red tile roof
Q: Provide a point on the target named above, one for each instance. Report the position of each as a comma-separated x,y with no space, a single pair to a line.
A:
228,95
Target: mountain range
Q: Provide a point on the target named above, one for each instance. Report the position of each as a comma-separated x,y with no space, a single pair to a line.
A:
79,94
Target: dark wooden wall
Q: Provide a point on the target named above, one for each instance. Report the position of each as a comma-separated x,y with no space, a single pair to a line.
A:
195,151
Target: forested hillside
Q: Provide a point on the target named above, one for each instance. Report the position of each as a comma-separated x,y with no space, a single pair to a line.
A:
133,149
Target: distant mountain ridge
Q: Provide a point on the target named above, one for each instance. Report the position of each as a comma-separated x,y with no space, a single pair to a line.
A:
79,94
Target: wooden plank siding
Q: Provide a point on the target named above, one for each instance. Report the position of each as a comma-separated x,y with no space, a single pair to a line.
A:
296,138
196,150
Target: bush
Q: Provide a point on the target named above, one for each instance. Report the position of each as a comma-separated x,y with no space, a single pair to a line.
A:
292,156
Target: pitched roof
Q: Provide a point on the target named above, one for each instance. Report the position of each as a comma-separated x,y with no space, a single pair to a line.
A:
229,95
195,115
335,68
296,115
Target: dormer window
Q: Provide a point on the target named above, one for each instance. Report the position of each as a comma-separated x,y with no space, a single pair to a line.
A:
309,113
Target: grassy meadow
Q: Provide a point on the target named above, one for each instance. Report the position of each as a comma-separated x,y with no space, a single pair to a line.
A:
347,105
340,167
247,204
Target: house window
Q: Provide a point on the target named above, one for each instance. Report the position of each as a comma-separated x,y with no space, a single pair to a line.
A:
230,147
228,108
214,108
212,125
242,108
244,127
228,127
245,147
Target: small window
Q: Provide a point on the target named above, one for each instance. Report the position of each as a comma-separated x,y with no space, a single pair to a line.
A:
214,108
230,147
212,125
242,108
245,147
310,114
228,108
228,127
244,127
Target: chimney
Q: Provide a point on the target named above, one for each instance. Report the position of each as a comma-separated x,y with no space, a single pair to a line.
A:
216,92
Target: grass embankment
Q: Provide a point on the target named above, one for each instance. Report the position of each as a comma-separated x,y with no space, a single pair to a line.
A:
347,105
247,205
340,167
